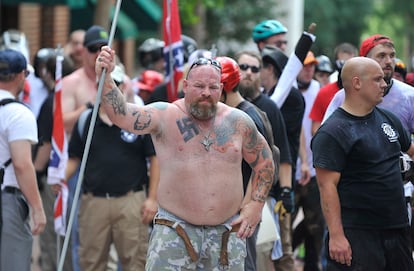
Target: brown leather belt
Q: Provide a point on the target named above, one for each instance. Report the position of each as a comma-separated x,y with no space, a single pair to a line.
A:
191,251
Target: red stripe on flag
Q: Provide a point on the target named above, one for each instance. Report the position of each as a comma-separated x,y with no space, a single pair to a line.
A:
173,50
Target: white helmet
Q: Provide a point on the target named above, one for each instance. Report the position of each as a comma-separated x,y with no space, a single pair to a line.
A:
16,40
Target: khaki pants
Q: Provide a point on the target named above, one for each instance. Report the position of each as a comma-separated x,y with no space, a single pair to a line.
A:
103,221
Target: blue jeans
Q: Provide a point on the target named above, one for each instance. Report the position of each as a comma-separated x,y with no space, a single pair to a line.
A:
74,234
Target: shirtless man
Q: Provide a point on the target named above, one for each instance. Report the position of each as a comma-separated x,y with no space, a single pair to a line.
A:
79,88
78,93
74,48
200,144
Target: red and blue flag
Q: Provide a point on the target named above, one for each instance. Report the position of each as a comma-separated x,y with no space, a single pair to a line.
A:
173,49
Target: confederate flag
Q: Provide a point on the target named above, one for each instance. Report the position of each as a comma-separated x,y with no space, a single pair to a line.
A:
173,49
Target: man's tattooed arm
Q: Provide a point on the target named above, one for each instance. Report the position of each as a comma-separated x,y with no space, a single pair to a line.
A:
259,156
115,98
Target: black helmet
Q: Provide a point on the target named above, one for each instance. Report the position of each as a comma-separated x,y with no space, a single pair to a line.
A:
274,56
324,64
150,51
190,45
40,60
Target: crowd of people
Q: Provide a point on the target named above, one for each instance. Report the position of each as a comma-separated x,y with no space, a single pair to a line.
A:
185,185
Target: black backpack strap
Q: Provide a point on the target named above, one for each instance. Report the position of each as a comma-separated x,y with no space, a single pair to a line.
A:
6,163
8,100
4,102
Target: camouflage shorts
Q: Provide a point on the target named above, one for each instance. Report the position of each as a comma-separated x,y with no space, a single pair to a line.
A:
167,250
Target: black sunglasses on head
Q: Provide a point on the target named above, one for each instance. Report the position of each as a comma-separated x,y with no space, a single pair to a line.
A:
206,61
245,67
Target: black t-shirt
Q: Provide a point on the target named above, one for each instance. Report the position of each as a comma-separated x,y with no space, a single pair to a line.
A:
365,150
292,110
250,110
45,120
116,160
275,117
281,140
45,125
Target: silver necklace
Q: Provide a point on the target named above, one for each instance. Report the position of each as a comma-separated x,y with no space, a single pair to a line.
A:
207,142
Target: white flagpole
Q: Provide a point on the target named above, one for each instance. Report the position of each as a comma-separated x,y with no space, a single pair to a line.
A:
87,144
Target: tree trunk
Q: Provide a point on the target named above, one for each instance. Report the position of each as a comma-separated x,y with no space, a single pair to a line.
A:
102,9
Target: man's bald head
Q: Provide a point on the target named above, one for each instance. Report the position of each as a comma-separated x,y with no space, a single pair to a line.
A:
364,84
357,67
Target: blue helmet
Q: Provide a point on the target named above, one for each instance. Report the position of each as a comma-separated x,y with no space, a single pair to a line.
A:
266,29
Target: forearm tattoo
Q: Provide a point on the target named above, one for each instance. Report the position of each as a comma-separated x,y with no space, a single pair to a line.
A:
264,175
114,98
143,119
264,184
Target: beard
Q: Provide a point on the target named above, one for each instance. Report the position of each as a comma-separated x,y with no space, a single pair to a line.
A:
388,74
203,111
248,88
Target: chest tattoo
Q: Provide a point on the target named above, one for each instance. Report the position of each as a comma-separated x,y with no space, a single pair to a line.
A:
187,128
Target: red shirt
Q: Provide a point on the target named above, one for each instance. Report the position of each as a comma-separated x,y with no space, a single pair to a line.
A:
322,100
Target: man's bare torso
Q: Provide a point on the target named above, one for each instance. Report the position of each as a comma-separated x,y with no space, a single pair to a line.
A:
77,90
208,177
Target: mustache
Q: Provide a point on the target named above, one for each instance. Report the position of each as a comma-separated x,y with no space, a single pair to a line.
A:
204,99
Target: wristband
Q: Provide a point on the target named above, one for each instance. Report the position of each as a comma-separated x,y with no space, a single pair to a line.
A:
89,105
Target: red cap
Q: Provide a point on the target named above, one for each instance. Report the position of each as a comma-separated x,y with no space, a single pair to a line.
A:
409,78
230,73
371,42
149,79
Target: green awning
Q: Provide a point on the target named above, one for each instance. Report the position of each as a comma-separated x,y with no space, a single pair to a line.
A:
151,9
146,14
70,3
137,17
126,26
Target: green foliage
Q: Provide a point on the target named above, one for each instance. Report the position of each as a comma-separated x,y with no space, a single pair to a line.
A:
394,19
337,21
188,8
236,19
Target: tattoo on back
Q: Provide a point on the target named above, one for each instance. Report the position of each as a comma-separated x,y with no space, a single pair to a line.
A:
113,98
187,128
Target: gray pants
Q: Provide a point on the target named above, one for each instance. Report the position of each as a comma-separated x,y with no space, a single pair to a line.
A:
16,237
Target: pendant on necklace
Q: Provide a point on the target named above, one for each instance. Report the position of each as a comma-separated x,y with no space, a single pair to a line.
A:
207,142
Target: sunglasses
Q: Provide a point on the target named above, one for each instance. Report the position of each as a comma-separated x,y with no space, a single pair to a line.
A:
245,67
26,73
206,61
94,48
